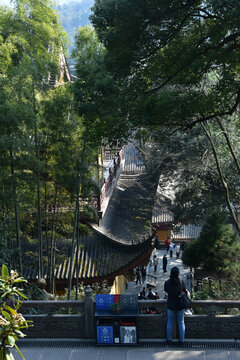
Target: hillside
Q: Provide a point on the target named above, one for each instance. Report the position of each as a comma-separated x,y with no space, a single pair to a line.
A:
73,15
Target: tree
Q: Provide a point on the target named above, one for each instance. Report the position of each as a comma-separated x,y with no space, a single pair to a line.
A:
31,41
95,94
181,58
216,249
151,37
186,161
98,97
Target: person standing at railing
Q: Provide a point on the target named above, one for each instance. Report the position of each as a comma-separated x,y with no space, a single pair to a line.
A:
175,309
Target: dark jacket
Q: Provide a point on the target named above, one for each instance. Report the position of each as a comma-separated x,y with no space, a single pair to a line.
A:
174,294
164,260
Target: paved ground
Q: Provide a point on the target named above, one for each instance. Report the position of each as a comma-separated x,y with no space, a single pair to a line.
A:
124,353
160,276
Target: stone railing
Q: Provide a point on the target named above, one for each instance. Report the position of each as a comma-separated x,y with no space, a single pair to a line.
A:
211,319
61,319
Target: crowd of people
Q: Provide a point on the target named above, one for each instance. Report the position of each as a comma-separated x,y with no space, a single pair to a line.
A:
172,247
150,295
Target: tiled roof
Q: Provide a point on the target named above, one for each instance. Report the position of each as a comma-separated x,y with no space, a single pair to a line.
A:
122,237
129,213
96,257
184,232
161,213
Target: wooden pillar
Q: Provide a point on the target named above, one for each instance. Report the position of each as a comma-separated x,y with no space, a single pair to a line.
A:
89,313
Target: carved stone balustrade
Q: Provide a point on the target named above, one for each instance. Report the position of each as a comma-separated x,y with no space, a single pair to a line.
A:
210,319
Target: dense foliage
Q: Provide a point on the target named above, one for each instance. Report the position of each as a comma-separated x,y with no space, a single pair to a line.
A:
41,140
11,321
216,249
163,72
181,60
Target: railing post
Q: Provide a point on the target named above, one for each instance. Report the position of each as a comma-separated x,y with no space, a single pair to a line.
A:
89,313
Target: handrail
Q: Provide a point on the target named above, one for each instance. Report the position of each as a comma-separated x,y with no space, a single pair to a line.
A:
144,303
53,303
209,306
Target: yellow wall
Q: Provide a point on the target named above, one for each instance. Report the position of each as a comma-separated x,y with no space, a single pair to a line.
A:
163,234
118,285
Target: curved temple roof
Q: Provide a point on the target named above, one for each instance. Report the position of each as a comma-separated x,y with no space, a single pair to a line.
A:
98,257
123,236
129,213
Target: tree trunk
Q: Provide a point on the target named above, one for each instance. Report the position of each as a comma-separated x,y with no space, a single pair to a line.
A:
3,209
16,211
76,215
77,258
52,243
224,184
40,247
229,145
45,209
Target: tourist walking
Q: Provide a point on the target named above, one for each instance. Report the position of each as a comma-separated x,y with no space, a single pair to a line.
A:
167,243
138,276
171,248
175,309
164,261
177,248
144,274
155,263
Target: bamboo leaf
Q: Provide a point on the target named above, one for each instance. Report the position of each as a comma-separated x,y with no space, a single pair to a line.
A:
19,333
7,315
25,327
5,272
17,348
11,310
18,304
6,293
19,280
22,295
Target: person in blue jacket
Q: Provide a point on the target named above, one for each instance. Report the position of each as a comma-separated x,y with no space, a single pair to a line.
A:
175,309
